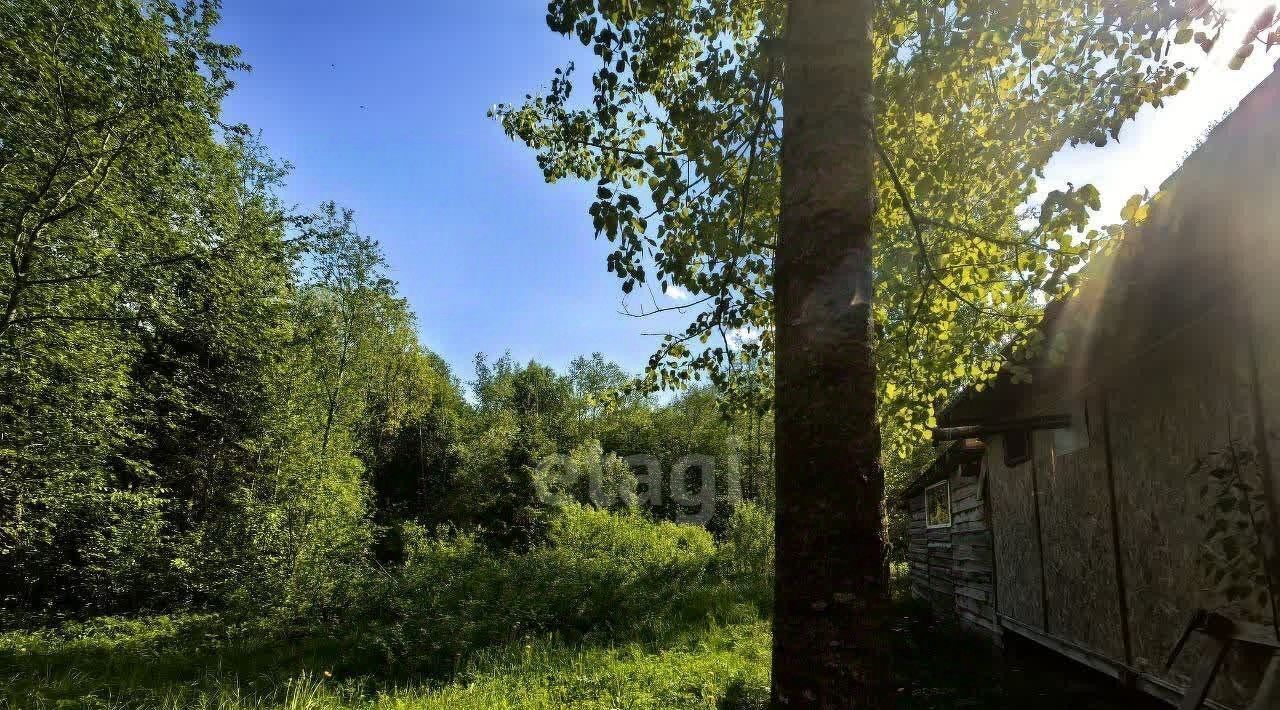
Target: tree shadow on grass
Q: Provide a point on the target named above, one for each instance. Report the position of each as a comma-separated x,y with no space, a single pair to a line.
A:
939,666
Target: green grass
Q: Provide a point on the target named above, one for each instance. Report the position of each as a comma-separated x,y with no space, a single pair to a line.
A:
201,662
612,613
608,611
193,662
717,668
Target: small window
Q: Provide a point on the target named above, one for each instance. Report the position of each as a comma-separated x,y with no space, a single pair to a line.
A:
937,505
1070,440
1017,447
1075,437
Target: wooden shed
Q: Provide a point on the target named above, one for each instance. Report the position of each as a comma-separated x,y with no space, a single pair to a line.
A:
949,550
1128,491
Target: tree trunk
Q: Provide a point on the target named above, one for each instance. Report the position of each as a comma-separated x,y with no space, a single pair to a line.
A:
830,644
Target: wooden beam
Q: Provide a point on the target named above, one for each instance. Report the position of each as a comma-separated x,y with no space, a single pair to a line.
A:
1205,674
1152,685
1268,696
1117,563
957,433
1033,464
1270,485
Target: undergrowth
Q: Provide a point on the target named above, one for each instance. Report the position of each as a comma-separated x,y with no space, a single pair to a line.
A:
609,606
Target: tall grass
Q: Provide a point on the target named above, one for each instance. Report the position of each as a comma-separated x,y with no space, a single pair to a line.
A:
611,606
717,668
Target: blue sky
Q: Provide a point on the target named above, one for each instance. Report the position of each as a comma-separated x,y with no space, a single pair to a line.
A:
381,105
490,257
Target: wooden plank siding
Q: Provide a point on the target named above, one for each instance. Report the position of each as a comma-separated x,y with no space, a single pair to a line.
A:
917,548
951,567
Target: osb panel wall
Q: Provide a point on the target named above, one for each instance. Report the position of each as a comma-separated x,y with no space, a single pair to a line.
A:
1232,179
1247,223
1265,343
1079,555
1261,295
1017,556
1187,398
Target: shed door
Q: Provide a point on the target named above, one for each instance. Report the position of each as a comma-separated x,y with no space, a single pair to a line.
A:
1019,585
1077,539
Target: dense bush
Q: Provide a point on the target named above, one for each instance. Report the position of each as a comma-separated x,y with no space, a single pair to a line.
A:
597,574
597,579
745,557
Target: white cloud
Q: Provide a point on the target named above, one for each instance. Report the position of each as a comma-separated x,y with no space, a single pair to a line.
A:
741,336
677,293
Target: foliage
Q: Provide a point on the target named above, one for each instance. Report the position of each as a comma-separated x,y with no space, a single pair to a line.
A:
745,556
205,398
143,286
527,416
165,664
456,605
212,402
1236,557
596,573
587,476
681,133
723,668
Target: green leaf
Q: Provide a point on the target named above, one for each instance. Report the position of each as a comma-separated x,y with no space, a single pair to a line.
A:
1240,56
1130,209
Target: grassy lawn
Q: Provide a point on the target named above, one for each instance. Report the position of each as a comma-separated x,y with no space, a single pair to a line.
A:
202,662
195,663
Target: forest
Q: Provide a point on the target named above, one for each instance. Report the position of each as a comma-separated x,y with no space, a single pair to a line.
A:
220,435
233,475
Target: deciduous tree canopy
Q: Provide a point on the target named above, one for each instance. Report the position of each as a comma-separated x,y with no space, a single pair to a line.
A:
680,129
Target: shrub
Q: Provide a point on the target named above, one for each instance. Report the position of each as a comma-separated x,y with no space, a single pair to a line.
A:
745,557
607,575
309,532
